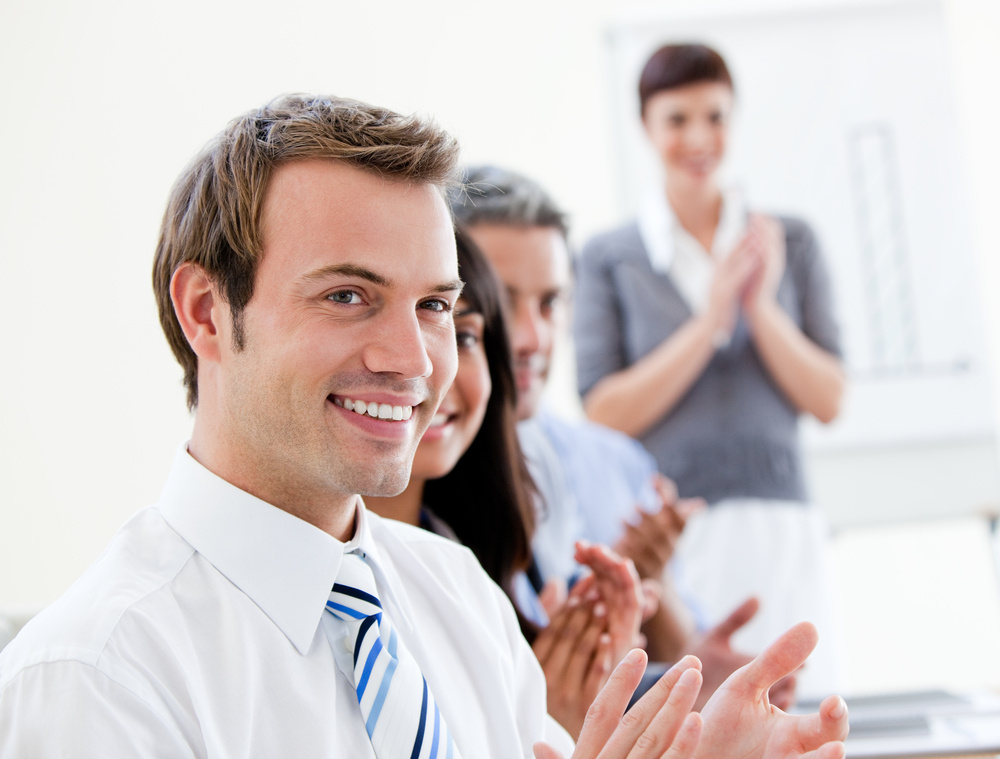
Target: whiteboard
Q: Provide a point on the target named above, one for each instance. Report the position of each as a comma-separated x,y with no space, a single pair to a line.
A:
845,117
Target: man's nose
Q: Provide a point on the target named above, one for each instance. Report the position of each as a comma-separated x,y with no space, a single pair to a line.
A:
528,329
398,346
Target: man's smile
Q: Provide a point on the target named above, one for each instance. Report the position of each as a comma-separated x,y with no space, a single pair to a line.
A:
375,409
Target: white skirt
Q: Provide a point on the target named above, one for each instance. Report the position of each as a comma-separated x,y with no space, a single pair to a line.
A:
779,552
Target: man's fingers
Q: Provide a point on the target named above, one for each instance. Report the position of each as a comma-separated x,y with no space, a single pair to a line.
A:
666,488
607,709
828,724
686,743
781,658
686,507
782,693
835,750
660,524
650,726
543,750
648,546
736,619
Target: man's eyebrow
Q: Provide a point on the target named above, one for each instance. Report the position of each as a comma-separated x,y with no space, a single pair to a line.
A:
455,286
363,272
347,270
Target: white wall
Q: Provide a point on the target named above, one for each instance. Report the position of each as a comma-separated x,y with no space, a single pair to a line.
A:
104,103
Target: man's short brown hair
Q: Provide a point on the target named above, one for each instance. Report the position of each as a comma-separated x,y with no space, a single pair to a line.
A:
213,214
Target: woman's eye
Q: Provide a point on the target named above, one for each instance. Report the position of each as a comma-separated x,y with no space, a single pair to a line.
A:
467,339
347,297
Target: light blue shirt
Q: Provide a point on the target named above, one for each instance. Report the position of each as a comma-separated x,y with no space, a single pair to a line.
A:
593,480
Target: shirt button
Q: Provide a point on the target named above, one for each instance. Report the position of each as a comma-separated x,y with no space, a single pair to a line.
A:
348,644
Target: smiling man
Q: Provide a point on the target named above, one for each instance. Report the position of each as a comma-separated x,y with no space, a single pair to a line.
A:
306,276
343,352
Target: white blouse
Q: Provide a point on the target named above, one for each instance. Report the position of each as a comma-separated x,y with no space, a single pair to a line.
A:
672,249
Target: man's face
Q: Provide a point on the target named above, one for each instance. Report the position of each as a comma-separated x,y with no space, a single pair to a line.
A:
352,305
533,264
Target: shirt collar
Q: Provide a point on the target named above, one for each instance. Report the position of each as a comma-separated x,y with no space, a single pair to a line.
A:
283,564
656,228
659,229
364,542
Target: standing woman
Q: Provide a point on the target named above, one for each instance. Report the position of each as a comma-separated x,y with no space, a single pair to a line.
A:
705,330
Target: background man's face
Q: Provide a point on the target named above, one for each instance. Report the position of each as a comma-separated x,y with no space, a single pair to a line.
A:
533,264
352,305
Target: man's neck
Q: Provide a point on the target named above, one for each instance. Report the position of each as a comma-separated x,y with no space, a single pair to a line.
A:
404,507
334,514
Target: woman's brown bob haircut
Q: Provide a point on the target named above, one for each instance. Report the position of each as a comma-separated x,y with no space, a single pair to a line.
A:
675,66
213,215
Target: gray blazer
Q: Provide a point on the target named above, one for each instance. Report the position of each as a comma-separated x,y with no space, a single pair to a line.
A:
734,434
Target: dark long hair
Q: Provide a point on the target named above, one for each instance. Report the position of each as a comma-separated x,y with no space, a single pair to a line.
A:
487,498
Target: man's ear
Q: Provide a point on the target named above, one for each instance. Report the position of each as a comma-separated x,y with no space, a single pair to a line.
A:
199,309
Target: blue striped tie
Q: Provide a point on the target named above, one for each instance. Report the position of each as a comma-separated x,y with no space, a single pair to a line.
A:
401,716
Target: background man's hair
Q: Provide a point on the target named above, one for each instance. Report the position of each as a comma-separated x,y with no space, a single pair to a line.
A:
492,195
213,213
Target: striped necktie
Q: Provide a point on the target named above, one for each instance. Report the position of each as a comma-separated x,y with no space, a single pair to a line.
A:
401,716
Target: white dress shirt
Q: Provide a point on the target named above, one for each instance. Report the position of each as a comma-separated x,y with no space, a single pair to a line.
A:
674,251
201,632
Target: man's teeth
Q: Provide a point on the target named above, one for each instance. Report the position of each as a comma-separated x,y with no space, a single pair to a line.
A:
378,410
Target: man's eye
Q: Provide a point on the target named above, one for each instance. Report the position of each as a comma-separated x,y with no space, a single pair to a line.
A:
436,304
347,297
549,303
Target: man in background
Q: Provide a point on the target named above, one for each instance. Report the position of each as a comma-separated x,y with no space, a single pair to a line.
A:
595,483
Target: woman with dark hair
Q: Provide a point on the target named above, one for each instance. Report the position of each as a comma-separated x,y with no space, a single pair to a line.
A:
705,330
473,441
469,482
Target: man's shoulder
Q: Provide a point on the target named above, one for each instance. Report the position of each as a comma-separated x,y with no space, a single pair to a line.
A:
429,565
583,435
143,558
384,529
406,544
613,244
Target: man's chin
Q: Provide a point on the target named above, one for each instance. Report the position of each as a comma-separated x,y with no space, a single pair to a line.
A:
527,405
385,480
